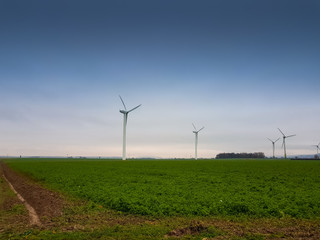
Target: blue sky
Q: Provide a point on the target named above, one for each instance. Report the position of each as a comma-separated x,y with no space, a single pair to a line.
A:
240,68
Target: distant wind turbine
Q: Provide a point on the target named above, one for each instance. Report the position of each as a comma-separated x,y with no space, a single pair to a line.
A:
317,146
284,141
196,140
125,119
273,142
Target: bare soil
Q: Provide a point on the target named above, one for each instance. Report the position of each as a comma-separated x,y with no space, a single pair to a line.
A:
12,211
252,229
194,228
287,228
45,202
9,203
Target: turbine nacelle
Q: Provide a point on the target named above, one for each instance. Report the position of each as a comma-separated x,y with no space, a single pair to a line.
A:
126,111
273,142
284,136
317,147
196,131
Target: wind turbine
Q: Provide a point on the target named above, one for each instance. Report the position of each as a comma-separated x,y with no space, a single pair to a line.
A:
317,146
284,142
125,119
196,140
273,142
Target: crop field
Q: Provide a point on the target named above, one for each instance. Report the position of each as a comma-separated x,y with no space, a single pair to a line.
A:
185,188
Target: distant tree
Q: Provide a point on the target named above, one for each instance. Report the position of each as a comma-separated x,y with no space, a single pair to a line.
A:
316,156
240,155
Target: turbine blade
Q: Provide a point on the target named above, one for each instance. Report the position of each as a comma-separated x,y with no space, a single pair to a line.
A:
123,103
134,108
282,143
270,140
194,127
291,135
201,129
276,140
281,132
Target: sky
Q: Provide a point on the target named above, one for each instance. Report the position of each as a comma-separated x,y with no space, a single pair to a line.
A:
241,69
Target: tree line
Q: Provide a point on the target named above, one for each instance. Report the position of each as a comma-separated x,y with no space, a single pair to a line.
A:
240,155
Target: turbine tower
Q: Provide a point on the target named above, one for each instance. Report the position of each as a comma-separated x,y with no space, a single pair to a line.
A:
273,142
284,141
317,146
125,119
196,140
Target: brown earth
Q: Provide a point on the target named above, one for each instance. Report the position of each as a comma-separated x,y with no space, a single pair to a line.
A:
252,229
287,228
45,203
194,228
9,203
12,212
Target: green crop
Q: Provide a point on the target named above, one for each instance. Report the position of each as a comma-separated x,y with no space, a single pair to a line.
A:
255,188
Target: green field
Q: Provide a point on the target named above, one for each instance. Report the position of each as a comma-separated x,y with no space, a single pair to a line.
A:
223,188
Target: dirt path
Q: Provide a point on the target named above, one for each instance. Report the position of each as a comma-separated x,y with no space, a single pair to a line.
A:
34,218
39,201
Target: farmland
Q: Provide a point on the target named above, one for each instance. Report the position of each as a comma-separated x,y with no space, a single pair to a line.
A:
220,188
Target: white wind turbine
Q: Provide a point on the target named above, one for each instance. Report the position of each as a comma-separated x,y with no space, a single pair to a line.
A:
125,119
196,140
317,146
273,142
284,142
